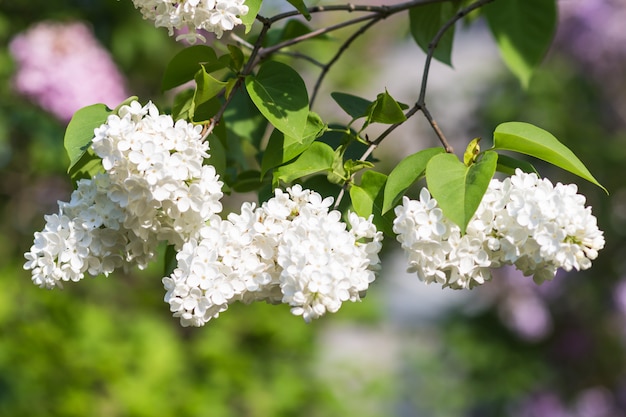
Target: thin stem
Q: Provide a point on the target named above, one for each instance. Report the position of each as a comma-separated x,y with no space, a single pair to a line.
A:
358,8
240,40
442,31
322,31
420,105
258,52
246,70
340,52
304,57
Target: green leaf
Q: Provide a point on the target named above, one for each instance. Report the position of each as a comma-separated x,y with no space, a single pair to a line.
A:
338,174
425,22
79,132
183,105
367,199
317,158
87,166
523,30
385,110
170,262
351,166
531,140
409,170
253,10
281,148
207,87
125,103
248,181
355,106
217,154
185,64
508,165
292,29
244,119
237,58
230,87
457,188
301,7
364,195
205,110
281,96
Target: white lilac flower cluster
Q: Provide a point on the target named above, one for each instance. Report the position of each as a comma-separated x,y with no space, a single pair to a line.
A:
83,72
86,235
189,16
154,188
523,221
291,249
157,173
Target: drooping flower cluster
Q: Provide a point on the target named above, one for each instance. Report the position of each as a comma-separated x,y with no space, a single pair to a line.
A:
87,235
154,189
157,173
523,221
62,68
291,249
189,16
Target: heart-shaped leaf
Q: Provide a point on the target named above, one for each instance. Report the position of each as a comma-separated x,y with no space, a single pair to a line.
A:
409,170
458,188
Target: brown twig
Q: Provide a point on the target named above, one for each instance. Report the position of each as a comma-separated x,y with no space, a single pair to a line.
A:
340,52
420,105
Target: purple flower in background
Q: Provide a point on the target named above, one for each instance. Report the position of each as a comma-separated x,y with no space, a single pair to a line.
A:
619,296
593,32
545,404
592,402
522,305
596,402
527,315
62,67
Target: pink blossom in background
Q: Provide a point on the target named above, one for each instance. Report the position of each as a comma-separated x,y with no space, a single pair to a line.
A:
522,305
595,401
62,67
543,404
593,30
619,295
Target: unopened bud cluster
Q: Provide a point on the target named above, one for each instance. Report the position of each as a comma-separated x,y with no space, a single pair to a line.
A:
523,221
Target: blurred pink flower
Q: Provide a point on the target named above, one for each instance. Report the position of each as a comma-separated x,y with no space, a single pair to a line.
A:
593,31
523,306
619,296
543,404
62,67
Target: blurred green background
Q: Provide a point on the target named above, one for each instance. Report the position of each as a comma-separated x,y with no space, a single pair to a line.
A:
109,347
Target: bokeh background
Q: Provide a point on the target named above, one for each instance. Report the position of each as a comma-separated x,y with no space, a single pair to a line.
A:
109,347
